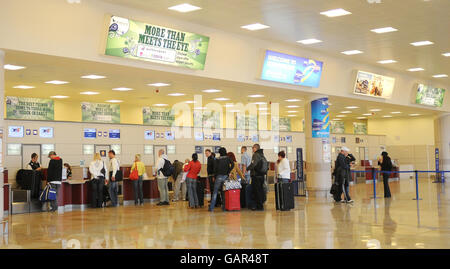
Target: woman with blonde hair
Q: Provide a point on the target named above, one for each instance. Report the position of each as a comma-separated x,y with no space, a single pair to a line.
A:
98,171
137,184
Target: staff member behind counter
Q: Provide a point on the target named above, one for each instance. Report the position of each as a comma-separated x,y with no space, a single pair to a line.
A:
34,164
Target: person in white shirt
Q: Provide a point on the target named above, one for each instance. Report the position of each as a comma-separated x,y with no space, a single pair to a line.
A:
283,168
162,180
99,172
113,167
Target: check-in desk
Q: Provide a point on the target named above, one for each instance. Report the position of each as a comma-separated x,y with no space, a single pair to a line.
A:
150,186
74,194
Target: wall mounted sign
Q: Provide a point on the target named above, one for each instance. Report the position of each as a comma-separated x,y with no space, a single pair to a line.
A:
28,132
289,139
35,132
90,133
114,133
198,136
216,136
281,124
137,40
100,133
360,128
255,138
24,108
291,69
370,84
158,116
337,127
170,135
149,135
427,95
207,119
240,137
198,149
46,132
96,112
246,122
320,118
15,131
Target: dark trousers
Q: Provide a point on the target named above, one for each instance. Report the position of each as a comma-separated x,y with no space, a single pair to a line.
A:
137,187
258,191
387,190
97,185
54,203
212,180
344,182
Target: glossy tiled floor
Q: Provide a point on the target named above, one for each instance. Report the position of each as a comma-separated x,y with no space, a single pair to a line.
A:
399,222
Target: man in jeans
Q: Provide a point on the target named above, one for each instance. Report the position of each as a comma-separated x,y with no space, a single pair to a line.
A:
246,160
54,176
113,167
211,160
223,166
162,179
257,177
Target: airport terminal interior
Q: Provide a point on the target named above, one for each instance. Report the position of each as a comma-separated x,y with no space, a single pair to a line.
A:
312,79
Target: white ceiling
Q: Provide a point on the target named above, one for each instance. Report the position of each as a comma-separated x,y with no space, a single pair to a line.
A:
292,20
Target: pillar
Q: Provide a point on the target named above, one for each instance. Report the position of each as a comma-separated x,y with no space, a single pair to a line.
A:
318,148
2,129
442,140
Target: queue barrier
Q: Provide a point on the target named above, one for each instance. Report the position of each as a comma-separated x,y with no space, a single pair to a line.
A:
375,171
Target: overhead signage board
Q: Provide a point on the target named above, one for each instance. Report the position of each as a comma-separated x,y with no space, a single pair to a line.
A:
374,85
427,95
24,108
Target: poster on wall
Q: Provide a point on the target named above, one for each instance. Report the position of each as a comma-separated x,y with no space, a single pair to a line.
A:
24,108
291,69
427,95
97,112
246,122
158,116
137,40
207,119
337,127
360,128
281,124
370,84
320,118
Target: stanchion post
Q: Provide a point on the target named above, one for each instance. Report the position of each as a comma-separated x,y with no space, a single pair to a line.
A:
374,177
417,186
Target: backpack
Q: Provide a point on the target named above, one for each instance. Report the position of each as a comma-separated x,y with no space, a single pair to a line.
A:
168,169
263,166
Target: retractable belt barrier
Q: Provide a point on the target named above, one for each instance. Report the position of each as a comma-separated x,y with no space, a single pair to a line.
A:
374,171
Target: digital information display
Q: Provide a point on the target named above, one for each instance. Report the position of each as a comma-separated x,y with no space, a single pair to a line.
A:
46,132
90,133
114,133
15,131
149,135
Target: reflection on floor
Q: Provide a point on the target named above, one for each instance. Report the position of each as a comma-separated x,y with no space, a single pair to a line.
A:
399,222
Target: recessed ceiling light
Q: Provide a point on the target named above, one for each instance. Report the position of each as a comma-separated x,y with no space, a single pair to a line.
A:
57,82
222,99
256,96
416,69
184,8
396,112
211,90
336,119
114,101
13,67
235,111
264,113
160,105
367,114
255,26
263,108
309,41
361,118
292,111
122,89
341,116
199,108
59,96
384,30
292,106
23,87
292,115
351,107
93,77
414,115
330,104
346,112
335,12
158,84
387,61
190,102
229,105
440,76
293,100
351,52
375,110
387,116
89,93
447,54
259,103
176,94
422,43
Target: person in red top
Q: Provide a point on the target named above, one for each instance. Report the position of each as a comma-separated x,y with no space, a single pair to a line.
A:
193,169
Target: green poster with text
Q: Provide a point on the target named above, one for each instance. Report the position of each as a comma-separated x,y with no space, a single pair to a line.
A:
23,108
96,112
158,116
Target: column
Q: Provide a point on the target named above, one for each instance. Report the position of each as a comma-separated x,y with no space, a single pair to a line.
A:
318,148
442,141
2,129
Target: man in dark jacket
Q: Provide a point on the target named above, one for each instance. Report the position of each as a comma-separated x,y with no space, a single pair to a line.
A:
222,168
211,160
54,176
257,176
343,174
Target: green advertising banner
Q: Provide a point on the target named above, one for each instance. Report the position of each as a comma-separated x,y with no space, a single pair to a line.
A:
95,112
142,41
207,119
247,122
281,124
158,116
360,128
337,127
23,108
427,95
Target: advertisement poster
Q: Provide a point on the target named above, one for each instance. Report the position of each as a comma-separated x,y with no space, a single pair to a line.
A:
46,132
207,119
246,122
360,128
158,116
137,40
291,69
281,124
149,135
96,112
320,118
427,95
23,108
337,127
374,85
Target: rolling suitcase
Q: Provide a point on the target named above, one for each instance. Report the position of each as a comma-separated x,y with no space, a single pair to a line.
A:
249,201
200,193
284,196
243,200
233,200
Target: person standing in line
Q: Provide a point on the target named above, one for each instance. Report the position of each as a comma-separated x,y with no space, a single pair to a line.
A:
343,176
34,164
283,168
210,169
138,184
385,164
178,178
236,170
113,167
162,179
98,171
246,160
193,169
258,176
54,176
222,168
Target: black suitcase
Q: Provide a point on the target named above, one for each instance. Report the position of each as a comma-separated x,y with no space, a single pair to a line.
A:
284,196
243,197
29,180
200,193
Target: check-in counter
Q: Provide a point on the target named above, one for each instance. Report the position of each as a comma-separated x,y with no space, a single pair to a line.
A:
150,186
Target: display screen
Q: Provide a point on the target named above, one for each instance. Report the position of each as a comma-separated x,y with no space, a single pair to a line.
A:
374,85
198,136
46,132
291,69
90,133
149,135
216,136
15,131
427,95
170,135
114,133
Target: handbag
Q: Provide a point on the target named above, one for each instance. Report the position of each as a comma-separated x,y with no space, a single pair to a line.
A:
232,185
48,194
134,175
183,177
